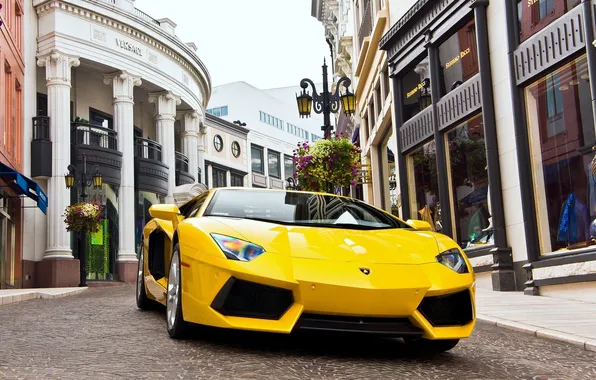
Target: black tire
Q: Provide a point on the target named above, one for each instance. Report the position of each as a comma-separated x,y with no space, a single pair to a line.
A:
143,302
432,346
177,328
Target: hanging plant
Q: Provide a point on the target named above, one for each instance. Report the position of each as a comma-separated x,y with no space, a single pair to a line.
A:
326,164
83,217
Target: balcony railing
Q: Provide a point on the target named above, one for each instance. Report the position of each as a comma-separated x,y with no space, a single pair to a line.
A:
366,23
148,149
95,136
181,162
41,128
145,16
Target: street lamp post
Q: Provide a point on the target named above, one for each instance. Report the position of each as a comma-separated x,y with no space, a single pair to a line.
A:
83,181
326,102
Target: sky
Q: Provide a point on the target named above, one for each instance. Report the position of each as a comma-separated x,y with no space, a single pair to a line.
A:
266,43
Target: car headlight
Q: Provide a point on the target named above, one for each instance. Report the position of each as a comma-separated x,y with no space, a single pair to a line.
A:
237,249
453,259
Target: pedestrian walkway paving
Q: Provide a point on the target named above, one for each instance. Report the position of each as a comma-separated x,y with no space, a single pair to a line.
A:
8,296
568,321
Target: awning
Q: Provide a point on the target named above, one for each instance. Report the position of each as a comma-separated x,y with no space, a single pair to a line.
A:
22,185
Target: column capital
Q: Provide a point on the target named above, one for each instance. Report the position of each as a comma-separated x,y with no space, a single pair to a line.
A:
191,120
123,84
165,103
58,66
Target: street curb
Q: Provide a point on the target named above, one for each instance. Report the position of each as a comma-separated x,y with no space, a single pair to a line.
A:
539,332
39,294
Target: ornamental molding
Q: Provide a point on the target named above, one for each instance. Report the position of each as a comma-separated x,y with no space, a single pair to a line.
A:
58,66
105,21
123,84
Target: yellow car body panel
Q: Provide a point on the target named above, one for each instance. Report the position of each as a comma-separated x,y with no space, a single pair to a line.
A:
322,267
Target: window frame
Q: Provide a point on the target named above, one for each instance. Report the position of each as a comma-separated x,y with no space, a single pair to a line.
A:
261,158
278,155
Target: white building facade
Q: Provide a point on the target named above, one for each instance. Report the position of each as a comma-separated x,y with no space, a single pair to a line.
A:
227,155
117,91
275,128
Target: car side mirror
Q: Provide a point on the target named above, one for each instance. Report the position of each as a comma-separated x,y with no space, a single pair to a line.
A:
419,225
167,212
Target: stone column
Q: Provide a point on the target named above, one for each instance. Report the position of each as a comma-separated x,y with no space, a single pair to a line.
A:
202,151
190,140
165,117
58,81
123,85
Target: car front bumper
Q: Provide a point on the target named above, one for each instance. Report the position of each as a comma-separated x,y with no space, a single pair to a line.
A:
427,300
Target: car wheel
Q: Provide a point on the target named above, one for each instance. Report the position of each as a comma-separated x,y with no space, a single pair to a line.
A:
176,325
432,346
143,302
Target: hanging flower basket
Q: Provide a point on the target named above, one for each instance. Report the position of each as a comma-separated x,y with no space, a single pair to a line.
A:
326,164
83,217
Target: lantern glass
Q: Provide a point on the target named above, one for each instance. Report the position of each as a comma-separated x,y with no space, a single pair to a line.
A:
304,104
97,180
69,179
348,101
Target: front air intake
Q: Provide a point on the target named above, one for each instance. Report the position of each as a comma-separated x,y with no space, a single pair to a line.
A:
239,298
448,310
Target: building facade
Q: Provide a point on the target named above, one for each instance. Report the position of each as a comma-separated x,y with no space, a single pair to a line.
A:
226,149
115,91
271,116
13,184
496,134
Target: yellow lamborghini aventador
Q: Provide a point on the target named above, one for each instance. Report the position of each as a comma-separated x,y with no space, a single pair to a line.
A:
281,261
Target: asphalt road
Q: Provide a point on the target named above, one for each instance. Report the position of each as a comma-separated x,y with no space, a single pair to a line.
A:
100,334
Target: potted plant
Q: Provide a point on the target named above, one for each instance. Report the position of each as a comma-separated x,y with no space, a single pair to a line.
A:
83,217
326,164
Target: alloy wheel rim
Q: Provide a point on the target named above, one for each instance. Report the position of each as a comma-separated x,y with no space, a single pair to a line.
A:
172,293
140,275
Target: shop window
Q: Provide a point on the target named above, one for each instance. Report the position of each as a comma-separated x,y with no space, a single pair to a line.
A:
562,137
289,167
219,178
143,201
535,15
468,177
256,158
458,58
416,89
274,164
237,180
424,187
102,119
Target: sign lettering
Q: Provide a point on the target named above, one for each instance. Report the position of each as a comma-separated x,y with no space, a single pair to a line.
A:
457,58
419,87
130,47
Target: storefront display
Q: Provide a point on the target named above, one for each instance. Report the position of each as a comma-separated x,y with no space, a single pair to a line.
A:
416,88
424,186
562,137
469,183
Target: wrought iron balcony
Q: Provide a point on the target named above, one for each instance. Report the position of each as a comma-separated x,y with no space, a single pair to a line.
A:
148,149
94,136
151,174
183,176
100,147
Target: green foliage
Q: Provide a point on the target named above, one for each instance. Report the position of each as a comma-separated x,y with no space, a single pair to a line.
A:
326,164
83,217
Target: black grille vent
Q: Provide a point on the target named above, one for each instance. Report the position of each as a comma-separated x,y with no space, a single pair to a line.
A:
448,310
380,326
239,298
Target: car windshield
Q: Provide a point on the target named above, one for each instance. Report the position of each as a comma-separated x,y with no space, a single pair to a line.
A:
301,209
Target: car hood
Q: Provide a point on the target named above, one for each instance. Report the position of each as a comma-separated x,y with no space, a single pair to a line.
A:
387,246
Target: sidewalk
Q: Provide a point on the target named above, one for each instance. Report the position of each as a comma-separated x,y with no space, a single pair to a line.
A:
8,296
567,321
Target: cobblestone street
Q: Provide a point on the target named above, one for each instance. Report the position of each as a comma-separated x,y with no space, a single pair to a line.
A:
100,334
